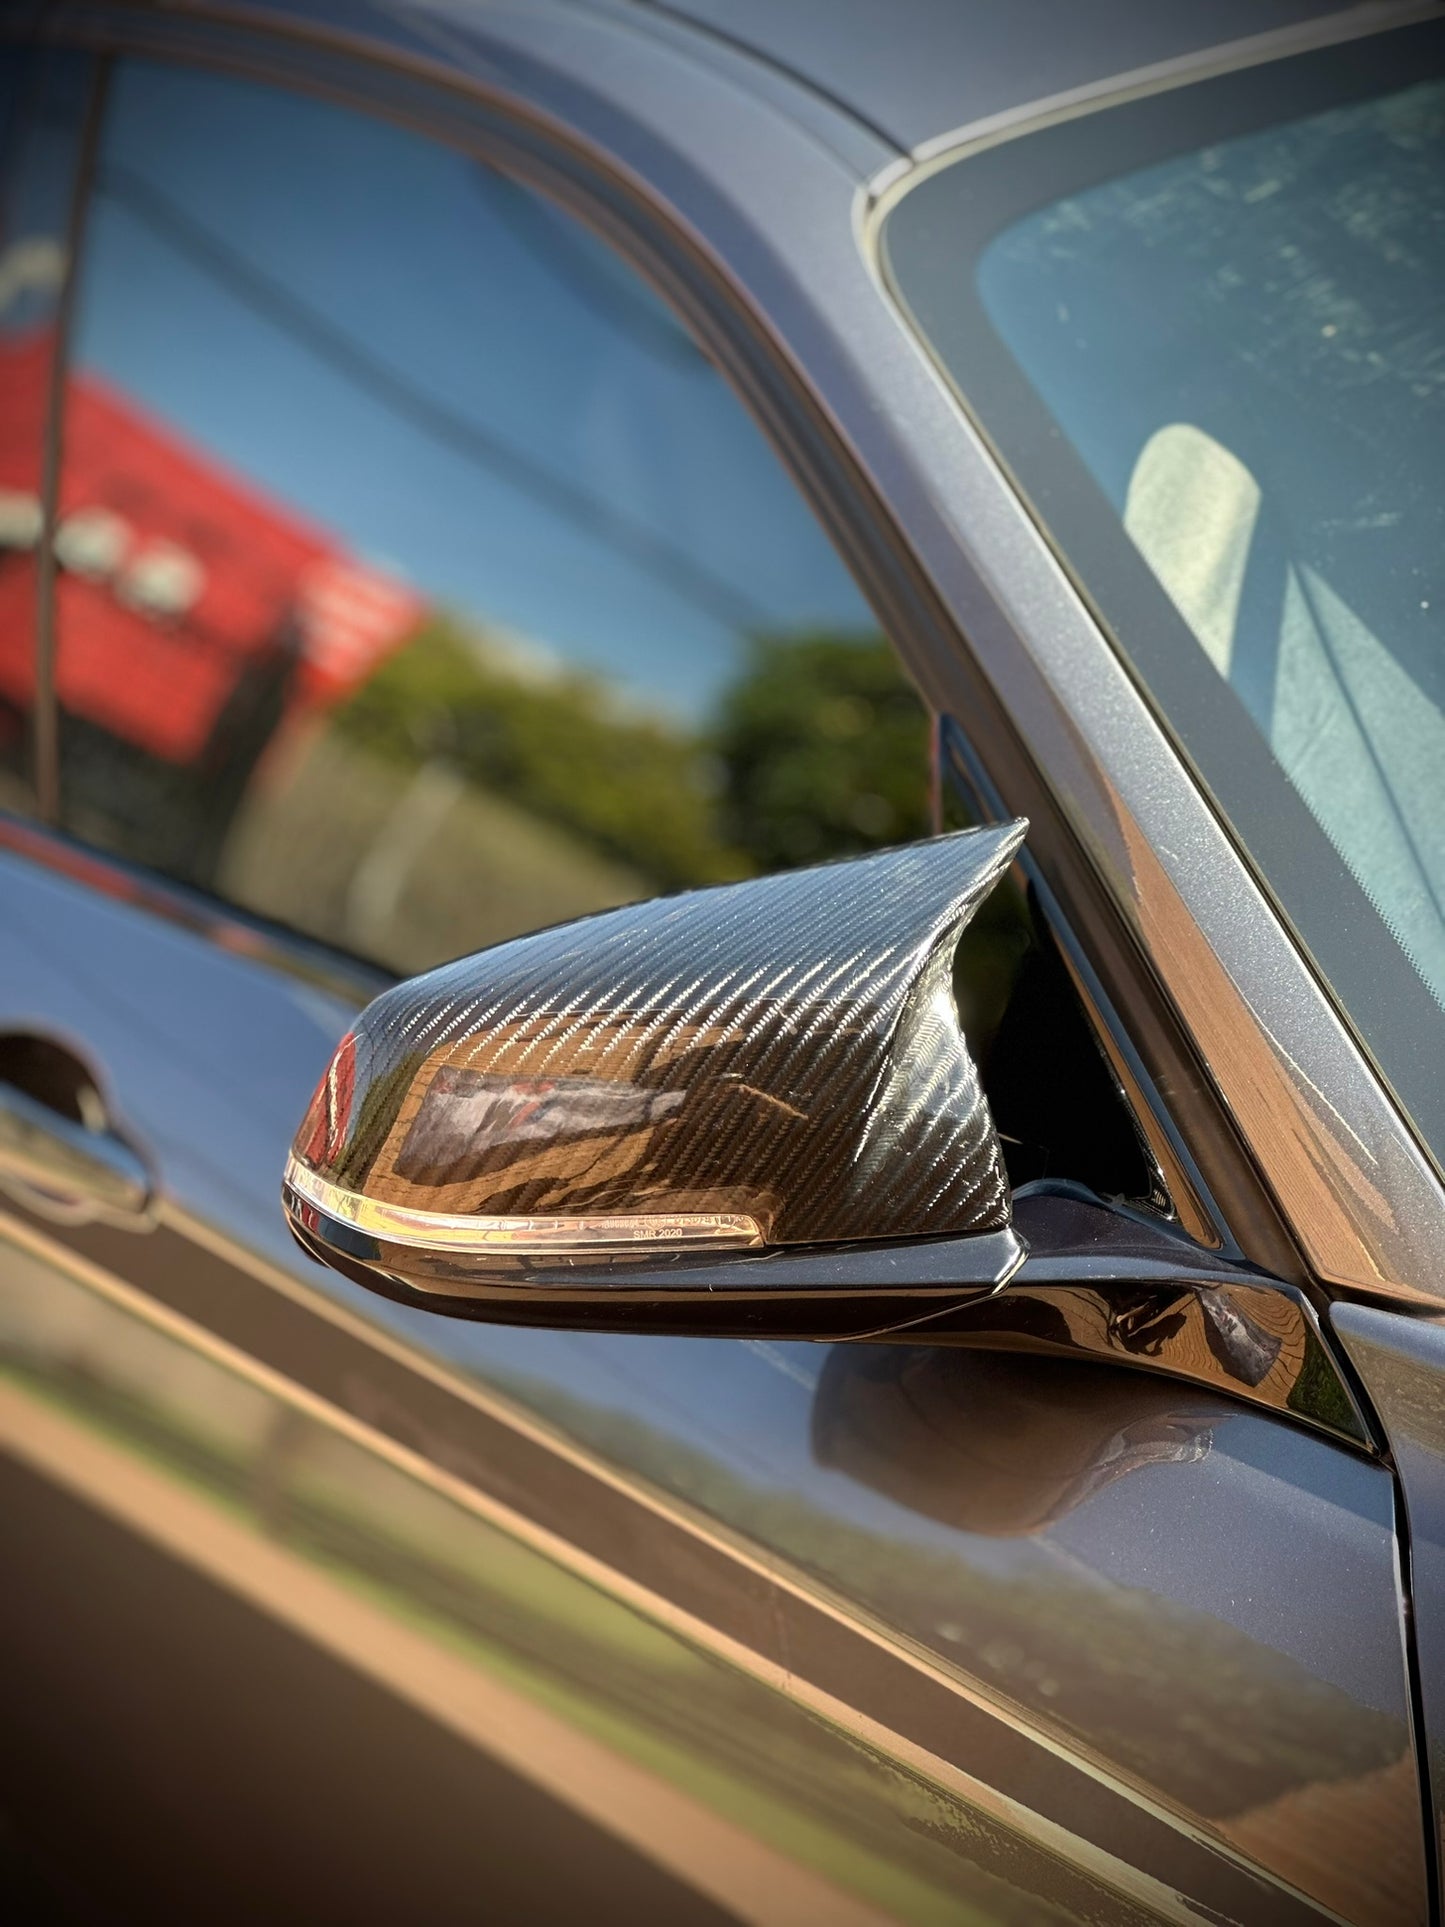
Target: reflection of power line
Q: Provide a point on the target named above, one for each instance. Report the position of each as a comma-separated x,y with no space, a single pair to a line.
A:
386,385
563,253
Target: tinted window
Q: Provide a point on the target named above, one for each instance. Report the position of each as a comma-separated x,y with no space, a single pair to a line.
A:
43,95
1205,329
421,581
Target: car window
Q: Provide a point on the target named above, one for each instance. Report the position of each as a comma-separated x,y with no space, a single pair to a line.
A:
1227,307
43,94
420,581
1307,572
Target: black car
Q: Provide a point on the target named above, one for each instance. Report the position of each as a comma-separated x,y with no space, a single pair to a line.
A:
743,704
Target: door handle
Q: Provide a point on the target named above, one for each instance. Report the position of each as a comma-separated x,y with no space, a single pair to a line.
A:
67,1170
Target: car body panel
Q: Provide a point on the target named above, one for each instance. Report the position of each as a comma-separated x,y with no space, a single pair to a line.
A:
775,1534
737,1496
1400,1361
918,71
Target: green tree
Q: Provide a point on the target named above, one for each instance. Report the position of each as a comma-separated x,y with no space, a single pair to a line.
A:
634,786
820,750
824,748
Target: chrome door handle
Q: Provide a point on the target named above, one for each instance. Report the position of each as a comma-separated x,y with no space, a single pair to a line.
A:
63,1170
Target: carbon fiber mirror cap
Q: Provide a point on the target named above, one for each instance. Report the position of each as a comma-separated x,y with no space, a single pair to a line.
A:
737,1073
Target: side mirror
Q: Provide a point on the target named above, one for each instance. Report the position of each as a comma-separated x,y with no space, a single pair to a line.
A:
750,1112
742,1111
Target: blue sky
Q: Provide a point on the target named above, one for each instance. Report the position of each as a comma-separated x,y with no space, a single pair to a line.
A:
343,311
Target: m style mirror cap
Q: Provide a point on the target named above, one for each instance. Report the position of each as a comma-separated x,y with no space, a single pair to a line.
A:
753,1069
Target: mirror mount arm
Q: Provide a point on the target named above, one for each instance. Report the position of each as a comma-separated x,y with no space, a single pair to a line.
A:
1100,1280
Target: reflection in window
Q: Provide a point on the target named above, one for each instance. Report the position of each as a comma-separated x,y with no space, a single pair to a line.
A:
420,581
1245,345
1361,740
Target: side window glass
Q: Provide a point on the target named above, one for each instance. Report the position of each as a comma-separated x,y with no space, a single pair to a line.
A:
420,581
43,97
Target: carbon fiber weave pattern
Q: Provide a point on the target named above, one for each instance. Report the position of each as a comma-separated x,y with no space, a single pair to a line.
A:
786,1047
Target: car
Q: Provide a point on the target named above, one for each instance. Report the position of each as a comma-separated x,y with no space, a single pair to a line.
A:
721,979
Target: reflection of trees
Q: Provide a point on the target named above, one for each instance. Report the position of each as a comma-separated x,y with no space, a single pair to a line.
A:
825,748
871,1824
820,751
1174,1696
557,745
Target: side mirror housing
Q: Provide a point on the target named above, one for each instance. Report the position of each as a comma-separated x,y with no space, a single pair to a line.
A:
751,1112
744,1110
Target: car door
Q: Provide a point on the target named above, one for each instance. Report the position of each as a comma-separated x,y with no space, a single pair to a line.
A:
410,577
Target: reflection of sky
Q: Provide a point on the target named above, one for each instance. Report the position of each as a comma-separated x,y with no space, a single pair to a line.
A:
367,325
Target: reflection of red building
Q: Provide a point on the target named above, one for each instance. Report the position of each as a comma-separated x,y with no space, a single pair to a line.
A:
176,577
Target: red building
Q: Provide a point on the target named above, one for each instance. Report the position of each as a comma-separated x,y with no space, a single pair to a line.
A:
177,576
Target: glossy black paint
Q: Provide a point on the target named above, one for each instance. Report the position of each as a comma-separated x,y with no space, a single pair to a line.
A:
1072,1277
1104,1281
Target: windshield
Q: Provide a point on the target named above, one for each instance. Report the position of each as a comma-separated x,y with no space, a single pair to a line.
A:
1206,331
